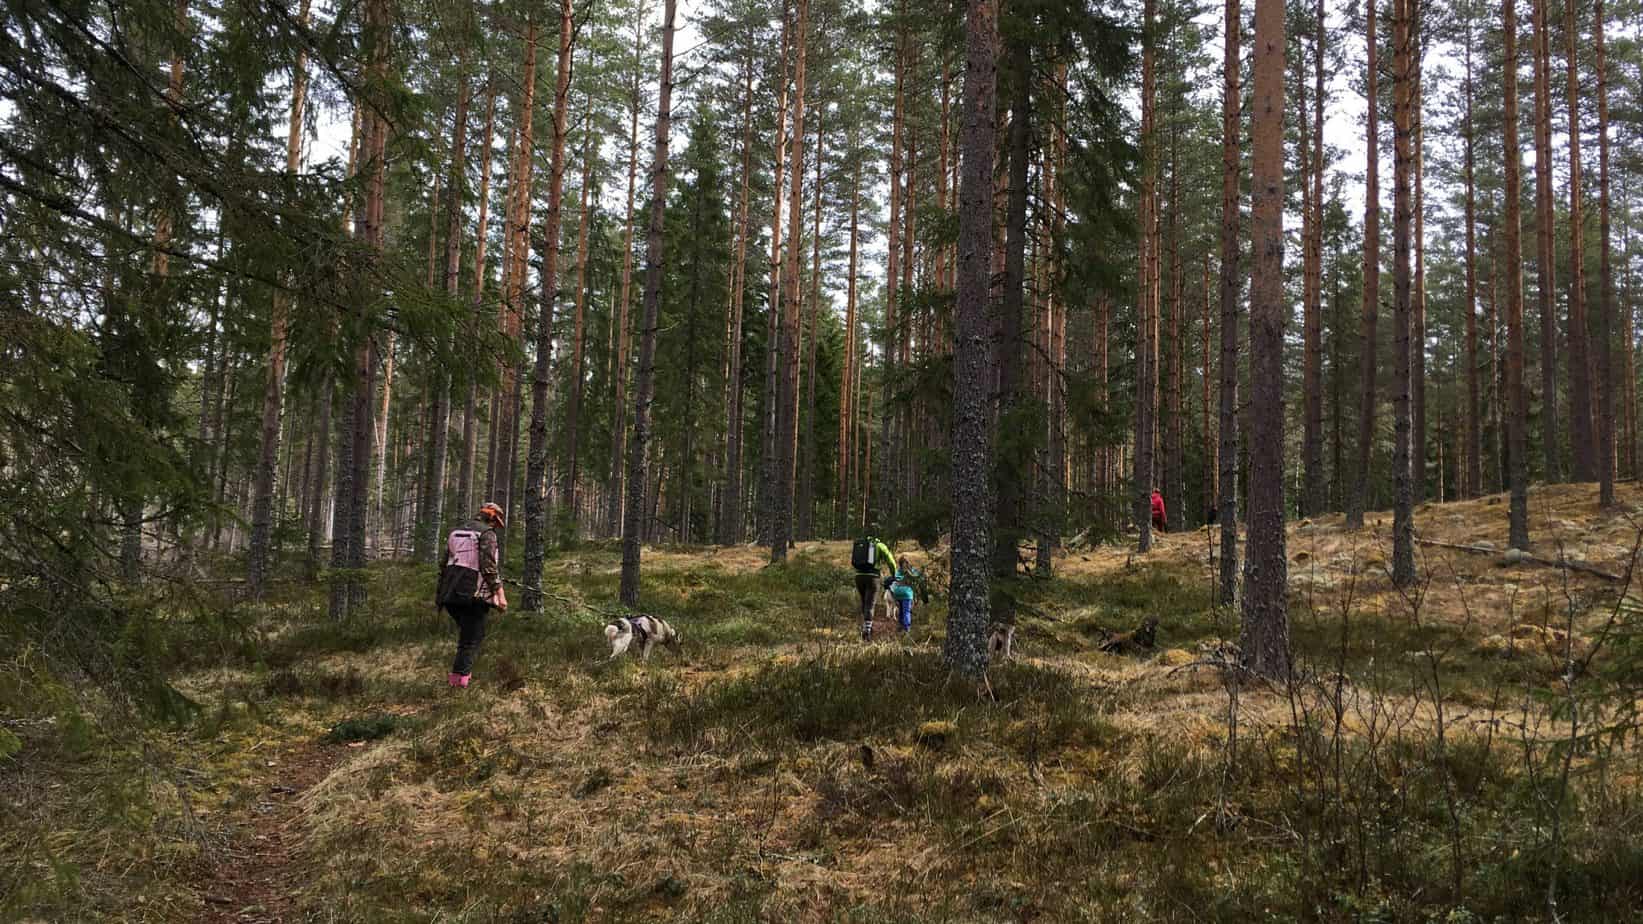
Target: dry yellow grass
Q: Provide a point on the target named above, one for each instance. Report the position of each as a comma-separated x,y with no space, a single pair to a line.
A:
561,774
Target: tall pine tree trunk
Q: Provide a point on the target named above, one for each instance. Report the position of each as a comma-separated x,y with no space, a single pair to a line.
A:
1472,484
879,503
470,408
1312,392
618,456
1417,334
1146,355
1014,462
1052,513
1403,525
1516,398
781,527
433,493
768,452
262,499
354,443
655,255
1371,278
807,477
730,507
1605,272
1174,467
536,461
965,648
1546,258
1207,499
848,383
1231,170
1265,633
379,442
1581,432
316,503
504,445
573,410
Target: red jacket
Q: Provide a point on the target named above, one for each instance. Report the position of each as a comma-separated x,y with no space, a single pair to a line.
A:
1158,506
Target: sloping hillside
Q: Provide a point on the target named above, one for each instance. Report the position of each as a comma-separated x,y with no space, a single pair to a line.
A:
783,770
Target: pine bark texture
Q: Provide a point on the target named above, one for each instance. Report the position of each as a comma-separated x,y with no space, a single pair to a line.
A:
1141,480
1473,456
1581,432
470,410
768,462
1371,279
1265,633
618,458
655,260
536,460
1312,391
1403,522
1517,410
1605,272
1417,320
1545,251
571,501
1231,169
1013,462
730,506
787,424
965,648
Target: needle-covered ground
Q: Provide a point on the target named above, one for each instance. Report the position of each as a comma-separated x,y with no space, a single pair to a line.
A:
1456,751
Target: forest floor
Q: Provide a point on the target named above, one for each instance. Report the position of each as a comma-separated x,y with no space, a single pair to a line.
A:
1420,768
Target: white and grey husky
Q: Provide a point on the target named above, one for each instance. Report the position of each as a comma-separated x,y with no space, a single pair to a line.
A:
647,631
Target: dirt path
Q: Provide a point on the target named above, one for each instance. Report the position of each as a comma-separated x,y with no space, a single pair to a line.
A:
255,876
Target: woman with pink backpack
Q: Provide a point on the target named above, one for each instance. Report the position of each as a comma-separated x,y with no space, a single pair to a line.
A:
470,585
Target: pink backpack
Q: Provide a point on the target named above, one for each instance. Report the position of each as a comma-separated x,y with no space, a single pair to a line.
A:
459,578
462,549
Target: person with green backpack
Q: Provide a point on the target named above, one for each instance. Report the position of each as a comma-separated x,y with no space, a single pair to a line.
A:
868,555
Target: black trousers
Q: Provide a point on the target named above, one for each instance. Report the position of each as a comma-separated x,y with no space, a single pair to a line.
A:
470,624
867,588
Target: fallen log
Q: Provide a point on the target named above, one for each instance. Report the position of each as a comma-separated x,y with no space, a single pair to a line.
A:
1518,556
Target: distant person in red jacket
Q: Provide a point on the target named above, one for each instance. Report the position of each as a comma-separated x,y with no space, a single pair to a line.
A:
1159,519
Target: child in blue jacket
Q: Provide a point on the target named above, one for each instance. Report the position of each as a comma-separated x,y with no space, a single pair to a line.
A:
908,582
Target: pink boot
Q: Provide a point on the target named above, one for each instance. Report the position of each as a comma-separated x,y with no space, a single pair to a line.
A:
462,680
457,680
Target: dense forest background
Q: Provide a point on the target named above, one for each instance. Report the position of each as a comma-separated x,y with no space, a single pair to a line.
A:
289,288
699,294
